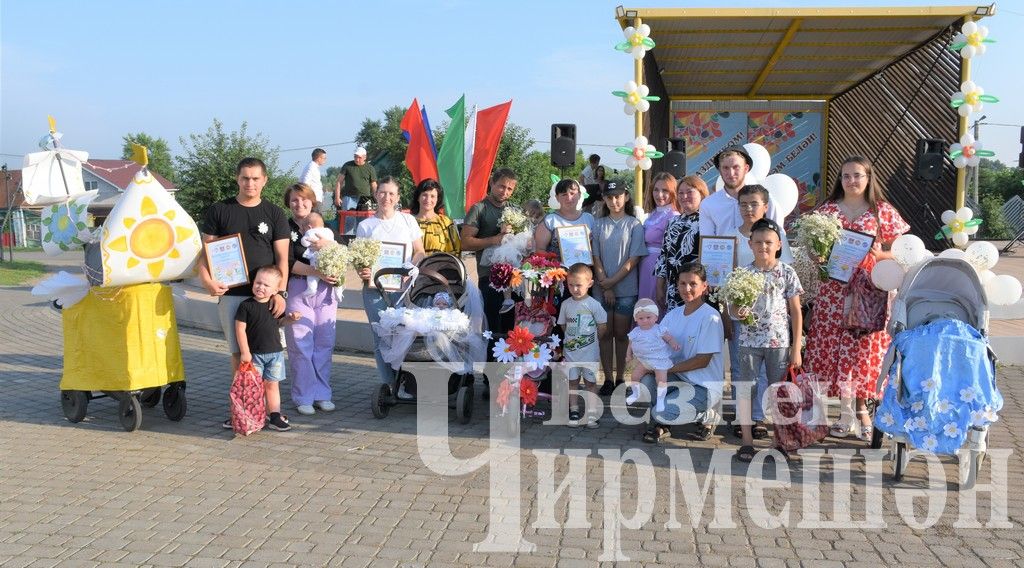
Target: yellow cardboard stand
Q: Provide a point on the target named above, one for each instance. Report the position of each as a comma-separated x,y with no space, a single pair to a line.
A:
122,338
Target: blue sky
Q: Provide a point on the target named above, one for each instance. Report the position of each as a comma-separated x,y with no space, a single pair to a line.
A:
308,76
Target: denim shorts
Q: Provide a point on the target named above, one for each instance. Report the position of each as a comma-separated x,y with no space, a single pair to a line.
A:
270,365
623,305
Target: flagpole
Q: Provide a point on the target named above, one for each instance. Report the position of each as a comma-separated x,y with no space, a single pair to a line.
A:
638,72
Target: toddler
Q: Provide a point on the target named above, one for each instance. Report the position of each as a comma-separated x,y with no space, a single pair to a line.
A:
584,322
317,232
442,301
649,343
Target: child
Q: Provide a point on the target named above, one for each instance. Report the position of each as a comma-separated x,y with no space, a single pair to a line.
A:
649,342
316,232
442,301
584,322
767,341
259,340
534,211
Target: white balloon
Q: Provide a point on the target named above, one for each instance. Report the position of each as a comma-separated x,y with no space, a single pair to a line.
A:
906,248
887,275
985,276
952,253
948,216
719,184
750,179
762,160
982,255
1003,290
964,214
783,192
961,239
921,256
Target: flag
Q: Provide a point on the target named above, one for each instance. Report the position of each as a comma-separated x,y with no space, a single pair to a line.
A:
490,123
419,156
429,131
470,141
451,161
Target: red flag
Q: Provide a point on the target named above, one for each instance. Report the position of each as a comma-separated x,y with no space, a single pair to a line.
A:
490,123
419,156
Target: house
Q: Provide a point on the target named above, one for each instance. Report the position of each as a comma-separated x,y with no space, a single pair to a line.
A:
111,178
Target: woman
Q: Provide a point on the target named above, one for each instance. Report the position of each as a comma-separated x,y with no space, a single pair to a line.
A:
310,340
682,236
697,373
849,361
567,193
439,234
392,226
662,206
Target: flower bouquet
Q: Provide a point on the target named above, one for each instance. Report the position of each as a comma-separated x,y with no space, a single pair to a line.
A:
528,356
363,252
513,245
333,261
515,217
817,233
539,270
741,289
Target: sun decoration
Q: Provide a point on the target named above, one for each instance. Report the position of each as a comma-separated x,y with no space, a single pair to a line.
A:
636,97
959,226
968,152
637,41
970,98
971,40
640,154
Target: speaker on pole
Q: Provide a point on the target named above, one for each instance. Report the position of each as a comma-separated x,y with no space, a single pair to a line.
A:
928,159
563,145
675,158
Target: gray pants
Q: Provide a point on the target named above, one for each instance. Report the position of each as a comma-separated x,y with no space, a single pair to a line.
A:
373,303
775,361
685,402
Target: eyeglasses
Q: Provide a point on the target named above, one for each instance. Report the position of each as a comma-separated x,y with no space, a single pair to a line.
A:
853,177
751,205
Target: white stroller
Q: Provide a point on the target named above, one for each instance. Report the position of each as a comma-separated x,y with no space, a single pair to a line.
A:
938,377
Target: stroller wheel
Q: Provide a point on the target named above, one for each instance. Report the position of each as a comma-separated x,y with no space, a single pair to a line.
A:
877,437
969,471
129,412
380,401
174,402
150,397
464,403
900,461
74,404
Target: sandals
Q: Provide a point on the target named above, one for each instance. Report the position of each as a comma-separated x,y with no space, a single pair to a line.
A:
655,434
746,454
702,434
759,431
842,429
865,431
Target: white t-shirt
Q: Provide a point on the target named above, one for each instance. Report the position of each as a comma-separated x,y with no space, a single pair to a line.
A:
699,333
400,228
720,214
579,319
588,174
311,176
744,254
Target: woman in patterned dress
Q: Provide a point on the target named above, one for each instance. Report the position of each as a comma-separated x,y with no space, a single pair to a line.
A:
680,244
662,206
849,361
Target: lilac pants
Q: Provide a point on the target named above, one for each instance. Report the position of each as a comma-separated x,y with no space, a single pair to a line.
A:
311,341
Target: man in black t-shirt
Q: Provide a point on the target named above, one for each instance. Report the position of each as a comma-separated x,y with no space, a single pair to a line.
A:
263,227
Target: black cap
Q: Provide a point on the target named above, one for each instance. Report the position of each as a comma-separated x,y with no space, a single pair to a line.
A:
737,149
613,188
765,224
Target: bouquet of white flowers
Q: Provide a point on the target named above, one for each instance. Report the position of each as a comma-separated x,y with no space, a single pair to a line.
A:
333,262
741,289
817,233
514,216
363,252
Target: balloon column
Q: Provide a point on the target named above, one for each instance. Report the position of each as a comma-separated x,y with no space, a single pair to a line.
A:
637,100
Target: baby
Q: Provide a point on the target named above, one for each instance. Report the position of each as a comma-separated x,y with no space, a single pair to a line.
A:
316,232
649,343
442,301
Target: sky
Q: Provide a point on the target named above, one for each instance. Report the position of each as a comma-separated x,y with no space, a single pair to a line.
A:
309,77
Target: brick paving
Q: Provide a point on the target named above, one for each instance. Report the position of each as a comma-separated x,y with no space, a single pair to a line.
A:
345,489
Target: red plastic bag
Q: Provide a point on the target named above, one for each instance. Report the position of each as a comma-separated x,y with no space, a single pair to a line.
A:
248,406
798,411
865,307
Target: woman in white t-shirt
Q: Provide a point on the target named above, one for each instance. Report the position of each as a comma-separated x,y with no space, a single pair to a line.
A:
392,226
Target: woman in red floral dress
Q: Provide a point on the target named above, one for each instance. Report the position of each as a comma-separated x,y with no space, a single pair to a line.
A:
849,361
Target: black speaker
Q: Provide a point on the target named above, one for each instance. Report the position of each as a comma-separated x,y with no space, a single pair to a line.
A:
563,145
675,158
928,159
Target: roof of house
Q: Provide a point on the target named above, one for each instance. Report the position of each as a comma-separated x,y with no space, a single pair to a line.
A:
120,172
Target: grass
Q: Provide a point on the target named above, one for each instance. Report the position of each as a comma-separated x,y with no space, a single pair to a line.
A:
19,272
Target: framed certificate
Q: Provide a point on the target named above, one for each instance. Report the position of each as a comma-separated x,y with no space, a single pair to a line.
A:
718,255
226,260
574,245
392,255
849,251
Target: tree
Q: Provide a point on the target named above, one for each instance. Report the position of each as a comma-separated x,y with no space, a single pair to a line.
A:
385,147
206,167
160,160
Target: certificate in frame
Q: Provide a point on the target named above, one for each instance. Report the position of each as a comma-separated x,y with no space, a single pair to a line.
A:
392,255
718,255
847,253
226,259
574,245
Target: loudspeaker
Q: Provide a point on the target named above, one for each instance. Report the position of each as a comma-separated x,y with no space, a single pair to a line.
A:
675,158
928,159
563,145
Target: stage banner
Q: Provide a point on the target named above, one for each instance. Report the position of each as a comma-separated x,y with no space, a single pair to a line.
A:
794,141
706,134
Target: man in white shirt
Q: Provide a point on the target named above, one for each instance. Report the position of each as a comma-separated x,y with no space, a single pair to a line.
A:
720,211
311,174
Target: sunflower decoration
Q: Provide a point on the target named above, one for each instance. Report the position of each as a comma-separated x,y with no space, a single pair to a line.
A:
148,237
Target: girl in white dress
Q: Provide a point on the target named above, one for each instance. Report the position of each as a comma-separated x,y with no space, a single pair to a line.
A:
649,342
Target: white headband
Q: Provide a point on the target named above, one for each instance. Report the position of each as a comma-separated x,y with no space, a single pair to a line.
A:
649,308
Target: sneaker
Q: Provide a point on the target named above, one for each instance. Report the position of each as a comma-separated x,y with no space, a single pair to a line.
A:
404,394
324,405
592,421
278,422
227,424
506,306
306,409
634,394
607,388
574,418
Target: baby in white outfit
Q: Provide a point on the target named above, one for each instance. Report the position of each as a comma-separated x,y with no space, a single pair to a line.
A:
316,232
649,342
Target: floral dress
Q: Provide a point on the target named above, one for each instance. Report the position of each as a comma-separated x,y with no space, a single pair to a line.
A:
849,362
678,248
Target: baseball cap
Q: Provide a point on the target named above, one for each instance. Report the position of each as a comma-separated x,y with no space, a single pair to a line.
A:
614,188
737,149
360,151
768,225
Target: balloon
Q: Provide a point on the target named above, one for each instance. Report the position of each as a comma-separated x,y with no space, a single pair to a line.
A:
985,276
982,255
783,192
961,239
964,214
1003,290
921,256
887,275
762,160
948,216
906,248
952,253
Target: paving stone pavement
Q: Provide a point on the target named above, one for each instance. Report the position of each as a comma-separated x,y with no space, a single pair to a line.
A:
345,489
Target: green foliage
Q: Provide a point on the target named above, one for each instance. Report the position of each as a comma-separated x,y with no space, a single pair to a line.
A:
19,272
995,179
385,148
160,160
994,226
206,167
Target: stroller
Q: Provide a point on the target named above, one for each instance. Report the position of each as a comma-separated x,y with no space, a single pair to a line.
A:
938,377
456,342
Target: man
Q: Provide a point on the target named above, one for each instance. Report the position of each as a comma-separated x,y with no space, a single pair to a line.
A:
357,182
720,211
263,227
481,231
589,174
311,174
